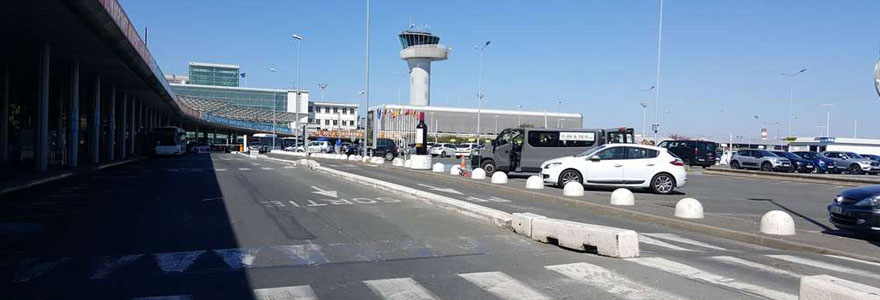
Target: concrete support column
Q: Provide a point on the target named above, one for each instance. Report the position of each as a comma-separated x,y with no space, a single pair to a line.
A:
132,130
111,122
123,128
73,142
42,153
4,118
95,127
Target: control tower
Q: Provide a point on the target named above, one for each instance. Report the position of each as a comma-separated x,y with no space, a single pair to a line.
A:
420,48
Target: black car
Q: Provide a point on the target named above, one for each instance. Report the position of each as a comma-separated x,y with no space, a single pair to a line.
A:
693,153
857,209
385,148
798,164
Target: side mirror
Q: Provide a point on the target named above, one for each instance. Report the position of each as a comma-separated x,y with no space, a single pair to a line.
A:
595,158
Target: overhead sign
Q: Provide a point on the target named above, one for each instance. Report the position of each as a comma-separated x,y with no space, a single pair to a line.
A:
577,136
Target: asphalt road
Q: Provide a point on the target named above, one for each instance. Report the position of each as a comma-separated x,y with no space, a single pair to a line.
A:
226,226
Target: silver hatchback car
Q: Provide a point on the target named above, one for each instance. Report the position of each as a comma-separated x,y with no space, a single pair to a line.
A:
852,162
759,159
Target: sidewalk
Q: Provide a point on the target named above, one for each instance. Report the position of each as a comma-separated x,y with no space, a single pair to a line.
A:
17,179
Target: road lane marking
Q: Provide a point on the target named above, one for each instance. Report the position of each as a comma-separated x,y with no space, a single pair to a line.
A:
308,254
266,168
324,192
176,262
853,260
244,169
289,167
683,240
611,282
825,265
300,292
730,260
447,190
220,170
238,258
103,266
503,286
708,277
650,241
399,289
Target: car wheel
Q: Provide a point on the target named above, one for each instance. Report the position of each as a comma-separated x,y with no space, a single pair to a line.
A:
663,184
855,169
766,167
734,165
488,166
389,156
569,175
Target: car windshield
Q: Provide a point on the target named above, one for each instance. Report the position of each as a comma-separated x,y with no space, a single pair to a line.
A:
590,151
788,155
852,155
768,153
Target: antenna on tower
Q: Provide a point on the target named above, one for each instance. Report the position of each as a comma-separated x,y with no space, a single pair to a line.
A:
411,24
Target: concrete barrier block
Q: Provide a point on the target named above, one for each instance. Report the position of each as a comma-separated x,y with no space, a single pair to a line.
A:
534,182
407,163
420,162
455,170
522,223
478,174
438,168
777,222
825,287
689,208
378,161
499,178
397,162
622,196
573,189
608,241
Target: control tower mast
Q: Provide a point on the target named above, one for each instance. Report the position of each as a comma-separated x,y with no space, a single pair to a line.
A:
420,48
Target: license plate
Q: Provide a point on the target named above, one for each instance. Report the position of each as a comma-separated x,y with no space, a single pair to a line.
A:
836,209
809,167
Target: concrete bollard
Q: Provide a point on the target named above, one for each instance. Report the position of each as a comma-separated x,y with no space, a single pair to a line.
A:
573,189
777,222
379,161
622,196
407,163
534,182
689,208
478,173
455,170
438,168
825,287
499,178
365,159
397,162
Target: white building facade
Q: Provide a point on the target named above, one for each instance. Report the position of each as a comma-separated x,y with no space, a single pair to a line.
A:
860,146
333,116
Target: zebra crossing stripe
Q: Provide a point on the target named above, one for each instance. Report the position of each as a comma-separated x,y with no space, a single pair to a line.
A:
712,278
730,260
611,282
220,170
172,262
503,286
854,260
399,289
650,241
266,168
244,169
683,240
300,292
824,265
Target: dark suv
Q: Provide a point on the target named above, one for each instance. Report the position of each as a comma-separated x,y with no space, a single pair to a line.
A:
798,164
693,153
385,148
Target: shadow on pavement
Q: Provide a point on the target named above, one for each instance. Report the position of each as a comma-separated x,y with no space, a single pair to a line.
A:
143,229
874,240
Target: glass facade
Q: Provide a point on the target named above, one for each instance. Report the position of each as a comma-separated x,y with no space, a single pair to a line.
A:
412,38
208,74
254,98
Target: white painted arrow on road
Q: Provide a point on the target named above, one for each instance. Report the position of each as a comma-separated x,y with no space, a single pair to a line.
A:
434,188
324,192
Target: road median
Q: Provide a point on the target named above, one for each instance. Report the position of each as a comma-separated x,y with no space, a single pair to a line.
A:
807,178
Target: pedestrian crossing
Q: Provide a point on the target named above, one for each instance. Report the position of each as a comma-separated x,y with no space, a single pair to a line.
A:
598,277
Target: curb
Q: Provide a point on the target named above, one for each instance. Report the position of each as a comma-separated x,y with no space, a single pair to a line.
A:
792,177
64,175
746,237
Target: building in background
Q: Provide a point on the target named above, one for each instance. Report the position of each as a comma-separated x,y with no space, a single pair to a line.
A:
213,74
420,48
860,146
333,116
176,79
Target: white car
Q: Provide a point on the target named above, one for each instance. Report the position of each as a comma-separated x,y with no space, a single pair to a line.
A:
619,165
464,149
443,150
318,147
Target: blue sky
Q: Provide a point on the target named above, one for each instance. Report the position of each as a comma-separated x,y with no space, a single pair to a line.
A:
594,56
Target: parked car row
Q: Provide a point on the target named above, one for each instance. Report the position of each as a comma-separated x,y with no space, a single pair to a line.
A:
834,162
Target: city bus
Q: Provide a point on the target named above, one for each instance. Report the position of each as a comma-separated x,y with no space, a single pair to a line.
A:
168,140
522,150
262,142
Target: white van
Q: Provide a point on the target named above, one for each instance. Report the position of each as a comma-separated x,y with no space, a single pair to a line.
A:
318,147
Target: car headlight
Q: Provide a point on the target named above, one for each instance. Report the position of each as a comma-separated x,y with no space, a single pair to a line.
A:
553,164
865,163
838,199
871,201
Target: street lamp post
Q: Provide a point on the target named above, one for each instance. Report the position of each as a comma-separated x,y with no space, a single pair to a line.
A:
828,106
298,39
367,76
558,114
645,111
480,86
322,86
518,115
856,128
791,96
274,103
496,124
656,126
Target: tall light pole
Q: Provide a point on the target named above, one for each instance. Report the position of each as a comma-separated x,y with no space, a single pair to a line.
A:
558,113
519,115
645,111
322,86
856,128
828,106
657,106
367,77
401,74
274,103
496,124
298,39
480,86
791,96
